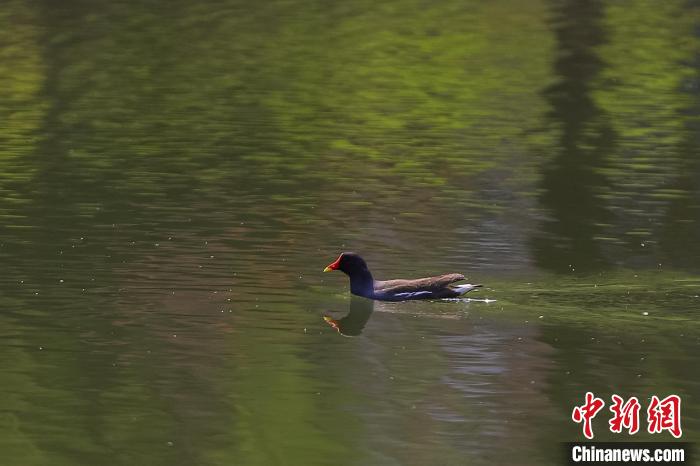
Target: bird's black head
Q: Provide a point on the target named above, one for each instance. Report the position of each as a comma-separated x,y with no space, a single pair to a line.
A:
348,262
355,267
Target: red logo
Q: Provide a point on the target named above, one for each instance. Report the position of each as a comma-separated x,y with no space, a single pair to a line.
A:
587,412
625,415
661,415
665,415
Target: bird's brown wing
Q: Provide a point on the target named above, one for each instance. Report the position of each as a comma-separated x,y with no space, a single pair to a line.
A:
419,284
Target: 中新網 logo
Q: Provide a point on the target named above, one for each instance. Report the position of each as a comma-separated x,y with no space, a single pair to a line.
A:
662,414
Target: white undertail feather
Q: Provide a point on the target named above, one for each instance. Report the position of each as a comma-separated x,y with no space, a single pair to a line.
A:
461,289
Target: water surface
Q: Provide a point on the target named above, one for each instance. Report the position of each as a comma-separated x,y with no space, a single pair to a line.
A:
173,179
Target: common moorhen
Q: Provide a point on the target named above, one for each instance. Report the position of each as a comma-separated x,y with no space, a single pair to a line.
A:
363,284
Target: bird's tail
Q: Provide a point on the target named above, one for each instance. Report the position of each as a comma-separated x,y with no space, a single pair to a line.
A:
466,288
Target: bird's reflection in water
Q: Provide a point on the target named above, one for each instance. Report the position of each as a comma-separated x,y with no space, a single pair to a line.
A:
352,323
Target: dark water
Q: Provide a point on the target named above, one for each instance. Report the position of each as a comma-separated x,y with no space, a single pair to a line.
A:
175,175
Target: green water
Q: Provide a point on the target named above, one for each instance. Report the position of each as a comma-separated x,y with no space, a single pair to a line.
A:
175,175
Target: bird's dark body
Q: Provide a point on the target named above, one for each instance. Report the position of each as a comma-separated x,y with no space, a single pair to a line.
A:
362,283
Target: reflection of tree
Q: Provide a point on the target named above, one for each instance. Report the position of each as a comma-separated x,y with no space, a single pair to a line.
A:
682,223
679,239
572,183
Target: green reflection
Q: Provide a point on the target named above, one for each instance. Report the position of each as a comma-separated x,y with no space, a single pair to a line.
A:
169,175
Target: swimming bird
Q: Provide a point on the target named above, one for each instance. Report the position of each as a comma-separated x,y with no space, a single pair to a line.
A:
362,283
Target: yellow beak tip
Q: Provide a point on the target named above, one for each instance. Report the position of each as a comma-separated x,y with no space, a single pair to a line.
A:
328,269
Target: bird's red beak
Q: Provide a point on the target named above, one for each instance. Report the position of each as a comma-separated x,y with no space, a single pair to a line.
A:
334,265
